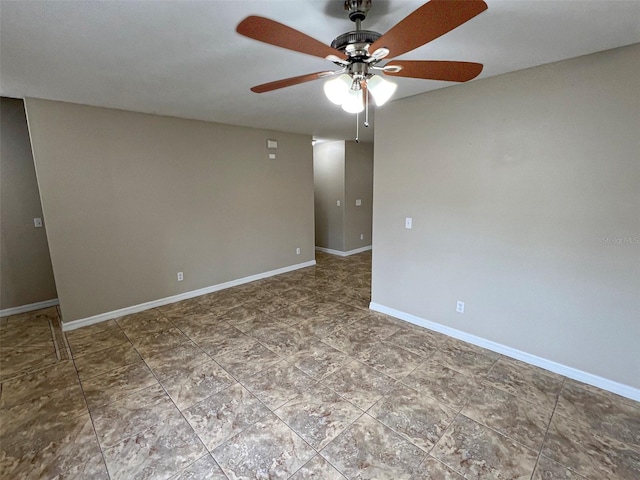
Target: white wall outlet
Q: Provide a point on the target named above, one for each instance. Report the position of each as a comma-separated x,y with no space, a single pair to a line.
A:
358,202
362,236
459,306
272,156
337,203
180,276
298,251
408,222
37,222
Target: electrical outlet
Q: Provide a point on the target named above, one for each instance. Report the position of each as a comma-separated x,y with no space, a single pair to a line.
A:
358,202
408,223
362,236
337,203
459,306
297,251
37,222
180,276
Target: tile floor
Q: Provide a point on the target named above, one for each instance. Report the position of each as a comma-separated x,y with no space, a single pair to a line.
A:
292,377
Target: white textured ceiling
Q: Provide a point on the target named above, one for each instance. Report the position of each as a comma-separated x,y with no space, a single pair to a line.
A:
184,58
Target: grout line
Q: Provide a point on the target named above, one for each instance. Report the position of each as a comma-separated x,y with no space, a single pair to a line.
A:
53,338
546,433
93,425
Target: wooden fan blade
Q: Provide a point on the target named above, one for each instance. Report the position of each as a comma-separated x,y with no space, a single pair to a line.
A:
287,82
436,70
274,33
427,23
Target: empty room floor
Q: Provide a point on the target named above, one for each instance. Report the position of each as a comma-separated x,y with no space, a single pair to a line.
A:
293,377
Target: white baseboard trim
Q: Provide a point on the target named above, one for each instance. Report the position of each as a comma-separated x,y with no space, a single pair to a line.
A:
84,322
570,372
28,308
343,254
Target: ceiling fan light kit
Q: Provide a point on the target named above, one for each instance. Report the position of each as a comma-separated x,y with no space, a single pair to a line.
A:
359,52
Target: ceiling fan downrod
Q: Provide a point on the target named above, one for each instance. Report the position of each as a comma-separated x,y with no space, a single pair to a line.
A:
358,10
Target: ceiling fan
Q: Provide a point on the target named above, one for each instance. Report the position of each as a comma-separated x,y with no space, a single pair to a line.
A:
359,52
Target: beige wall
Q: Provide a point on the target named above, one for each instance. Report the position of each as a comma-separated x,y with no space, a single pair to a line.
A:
525,195
328,179
25,266
358,186
131,199
343,171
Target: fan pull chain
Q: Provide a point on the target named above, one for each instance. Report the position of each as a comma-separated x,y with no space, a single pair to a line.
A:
357,127
366,108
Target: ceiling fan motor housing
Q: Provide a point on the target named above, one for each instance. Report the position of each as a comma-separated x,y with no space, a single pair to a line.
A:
356,43
357,9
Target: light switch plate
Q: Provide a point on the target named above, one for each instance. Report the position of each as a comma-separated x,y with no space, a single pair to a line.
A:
358,202
337,203
272,144
408,222
37,222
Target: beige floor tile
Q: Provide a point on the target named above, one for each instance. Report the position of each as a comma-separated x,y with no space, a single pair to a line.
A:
370,450
476,451
361,385
283,340
432,469
267,449
295,314
276,385
176,361
524,422
200,382
202,327
17,361
139,324
183,309
65,446
390,359
31,334
255,322
102,361
606,413
116,384
547,469
417,340
318,415
318,469
239,314
203,469
307,345
351,340
465,358
577,447
95,337
449,387
132,414
38,383
163,450
225,414
41,413
247,360
318,359
156,342
377,326
418,418
525,381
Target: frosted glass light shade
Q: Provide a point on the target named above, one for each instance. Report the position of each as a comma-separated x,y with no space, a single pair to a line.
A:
353,103
381,89
338,88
